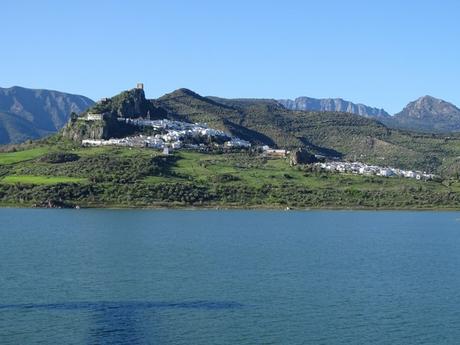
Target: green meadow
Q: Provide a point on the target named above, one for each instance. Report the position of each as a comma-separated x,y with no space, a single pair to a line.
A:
40,180
21,156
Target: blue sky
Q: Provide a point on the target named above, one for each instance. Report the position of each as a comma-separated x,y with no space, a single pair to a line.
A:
381,53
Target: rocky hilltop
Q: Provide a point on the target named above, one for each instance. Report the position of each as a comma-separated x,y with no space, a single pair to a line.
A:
428,114
332,104
30,114
101,121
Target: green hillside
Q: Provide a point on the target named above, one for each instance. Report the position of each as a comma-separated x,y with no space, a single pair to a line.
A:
266,122
344,135
62,174
59,172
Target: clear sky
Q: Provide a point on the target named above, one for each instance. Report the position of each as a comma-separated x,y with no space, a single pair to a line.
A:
381,53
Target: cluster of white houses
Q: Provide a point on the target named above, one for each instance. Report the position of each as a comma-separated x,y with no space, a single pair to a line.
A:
177,129
172,134
364,169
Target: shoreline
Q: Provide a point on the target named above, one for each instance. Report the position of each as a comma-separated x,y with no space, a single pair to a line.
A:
233,208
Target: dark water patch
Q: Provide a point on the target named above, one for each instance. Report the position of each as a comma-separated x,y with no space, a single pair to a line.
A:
105,306
121,322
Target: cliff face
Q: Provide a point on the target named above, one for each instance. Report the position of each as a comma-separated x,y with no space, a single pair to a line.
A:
128,104
78,129
332,104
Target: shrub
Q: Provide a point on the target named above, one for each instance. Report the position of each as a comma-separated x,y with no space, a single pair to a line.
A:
59,157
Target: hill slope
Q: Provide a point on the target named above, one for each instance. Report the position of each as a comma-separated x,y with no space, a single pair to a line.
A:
262,121
337,134
267,122
66,175
30,114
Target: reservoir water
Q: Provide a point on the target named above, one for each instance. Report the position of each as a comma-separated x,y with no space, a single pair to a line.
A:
229,277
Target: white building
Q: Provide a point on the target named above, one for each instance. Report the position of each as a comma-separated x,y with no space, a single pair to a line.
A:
94,117
385,172
91,142
235,142
176,145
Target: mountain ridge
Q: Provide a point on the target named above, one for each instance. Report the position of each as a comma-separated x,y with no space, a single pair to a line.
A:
332,104
32,113
425,114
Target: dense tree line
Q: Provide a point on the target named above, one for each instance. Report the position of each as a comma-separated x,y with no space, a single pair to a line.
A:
189,194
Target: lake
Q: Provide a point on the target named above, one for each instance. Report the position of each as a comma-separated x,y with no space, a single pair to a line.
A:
229,277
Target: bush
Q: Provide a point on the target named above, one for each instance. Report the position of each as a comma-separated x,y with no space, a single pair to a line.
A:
59,157
224,178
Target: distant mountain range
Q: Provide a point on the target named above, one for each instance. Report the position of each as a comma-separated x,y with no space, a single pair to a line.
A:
30,114
426,114
332,104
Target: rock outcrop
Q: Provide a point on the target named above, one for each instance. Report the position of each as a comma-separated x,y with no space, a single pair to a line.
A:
301,156
332,104
128,104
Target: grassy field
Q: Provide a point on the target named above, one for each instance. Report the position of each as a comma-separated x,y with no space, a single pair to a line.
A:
116,151
41,180
256,172
21,156
123,177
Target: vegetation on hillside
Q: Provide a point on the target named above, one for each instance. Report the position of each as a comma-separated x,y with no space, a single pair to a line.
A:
266,122
57,171
120,177
342,135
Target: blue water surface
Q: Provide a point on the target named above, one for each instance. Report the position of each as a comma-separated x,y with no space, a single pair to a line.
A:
229,277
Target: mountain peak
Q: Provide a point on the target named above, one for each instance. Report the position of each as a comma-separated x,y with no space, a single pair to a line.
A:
428,106
429,113
181,93
185,92
427,99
